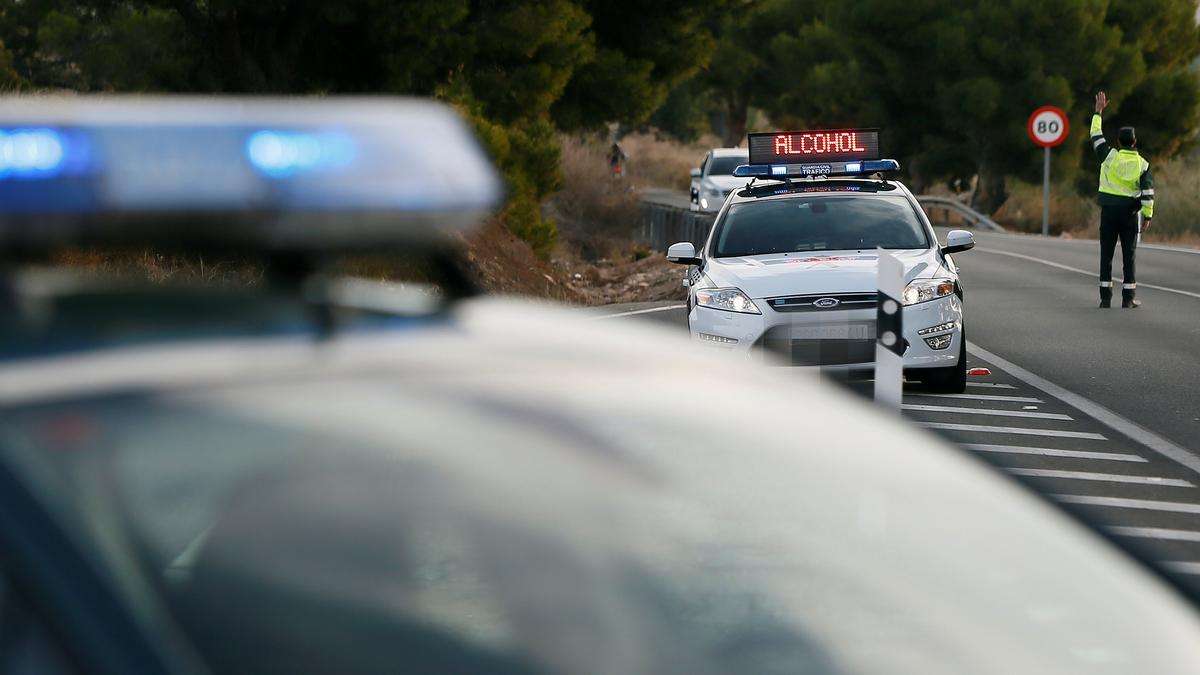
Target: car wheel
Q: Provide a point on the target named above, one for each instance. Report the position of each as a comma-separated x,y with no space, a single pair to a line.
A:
952,379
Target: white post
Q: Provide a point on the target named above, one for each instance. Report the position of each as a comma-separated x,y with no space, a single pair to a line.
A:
1046,194
889,333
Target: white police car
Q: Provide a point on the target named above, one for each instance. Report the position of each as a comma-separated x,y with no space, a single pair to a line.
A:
791,261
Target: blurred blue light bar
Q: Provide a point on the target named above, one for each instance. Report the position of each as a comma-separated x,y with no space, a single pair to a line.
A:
280,154
31,153
307,172
785,171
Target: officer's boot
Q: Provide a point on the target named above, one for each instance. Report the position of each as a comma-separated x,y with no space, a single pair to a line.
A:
1127,299
1105,297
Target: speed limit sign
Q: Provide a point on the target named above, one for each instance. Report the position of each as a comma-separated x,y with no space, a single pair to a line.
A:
1048,126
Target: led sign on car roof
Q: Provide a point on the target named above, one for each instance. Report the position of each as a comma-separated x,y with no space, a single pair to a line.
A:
260,173
790,147
782,155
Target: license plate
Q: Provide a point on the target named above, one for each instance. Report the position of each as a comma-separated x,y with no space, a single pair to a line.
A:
834,332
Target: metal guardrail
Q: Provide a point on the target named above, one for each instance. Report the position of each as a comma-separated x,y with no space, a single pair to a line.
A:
972,217
665,224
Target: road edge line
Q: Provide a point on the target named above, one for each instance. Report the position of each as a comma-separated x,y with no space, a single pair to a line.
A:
1068,268
1030,237
1103,415
638,311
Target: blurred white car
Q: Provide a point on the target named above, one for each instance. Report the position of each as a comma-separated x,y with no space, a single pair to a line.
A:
312,475
714,180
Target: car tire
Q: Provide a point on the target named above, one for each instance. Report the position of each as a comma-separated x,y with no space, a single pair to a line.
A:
952,379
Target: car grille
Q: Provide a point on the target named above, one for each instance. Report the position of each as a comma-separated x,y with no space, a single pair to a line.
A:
818,352
805,303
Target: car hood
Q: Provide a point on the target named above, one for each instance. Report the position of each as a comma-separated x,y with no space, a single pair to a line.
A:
723,183
804,273
512,478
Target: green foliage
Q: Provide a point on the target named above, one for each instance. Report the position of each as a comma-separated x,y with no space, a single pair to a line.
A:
644,49
99,46
526,53
952,82
125,49
686,114
522,216
527,154
9,79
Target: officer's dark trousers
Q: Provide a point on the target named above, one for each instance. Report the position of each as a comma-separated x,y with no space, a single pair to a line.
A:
1117,222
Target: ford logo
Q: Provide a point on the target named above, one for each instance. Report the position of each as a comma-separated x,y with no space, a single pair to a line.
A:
825,303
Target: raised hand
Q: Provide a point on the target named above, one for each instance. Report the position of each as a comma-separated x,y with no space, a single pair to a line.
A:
1101,102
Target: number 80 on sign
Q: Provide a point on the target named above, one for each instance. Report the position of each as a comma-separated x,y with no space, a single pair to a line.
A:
1048,126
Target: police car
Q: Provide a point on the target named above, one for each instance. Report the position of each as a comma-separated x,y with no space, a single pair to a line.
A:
791,261
322,475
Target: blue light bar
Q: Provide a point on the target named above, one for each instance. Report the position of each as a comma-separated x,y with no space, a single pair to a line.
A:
280,154
786,171
31,153
293,172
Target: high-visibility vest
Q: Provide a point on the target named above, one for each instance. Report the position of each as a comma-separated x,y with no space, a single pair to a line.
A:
1121,172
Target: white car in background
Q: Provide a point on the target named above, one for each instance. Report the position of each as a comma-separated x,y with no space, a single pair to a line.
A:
714,180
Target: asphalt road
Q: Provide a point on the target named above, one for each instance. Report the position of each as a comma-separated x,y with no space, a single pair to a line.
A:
673,198
1095,409
1144,363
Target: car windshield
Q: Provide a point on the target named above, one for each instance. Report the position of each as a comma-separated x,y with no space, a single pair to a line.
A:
821,223
724,166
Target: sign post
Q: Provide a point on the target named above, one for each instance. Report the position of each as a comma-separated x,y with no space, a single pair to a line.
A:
889,333
1048,127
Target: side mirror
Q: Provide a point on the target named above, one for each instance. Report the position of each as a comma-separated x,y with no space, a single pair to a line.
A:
958,241
683,253
694,173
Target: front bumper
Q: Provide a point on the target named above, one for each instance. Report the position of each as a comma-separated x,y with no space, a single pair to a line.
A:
835,338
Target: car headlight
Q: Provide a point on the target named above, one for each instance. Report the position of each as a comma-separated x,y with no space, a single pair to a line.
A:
711,192
728,299
924,290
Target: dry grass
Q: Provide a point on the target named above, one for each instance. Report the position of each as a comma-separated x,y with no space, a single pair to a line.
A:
597,211
1176,208
1070,213
594,209
1176,203
654,162
156,267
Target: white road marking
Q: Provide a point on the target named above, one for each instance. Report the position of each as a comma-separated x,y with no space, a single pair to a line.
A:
986,412
983,397
1105,477
1124,503
1094,410
1054,452
639,311
1156,533
1089,243
1092,274
1053,433
987,385
1182,567
1162,247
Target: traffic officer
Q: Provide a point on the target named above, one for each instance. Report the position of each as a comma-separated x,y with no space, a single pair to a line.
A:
1126,186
